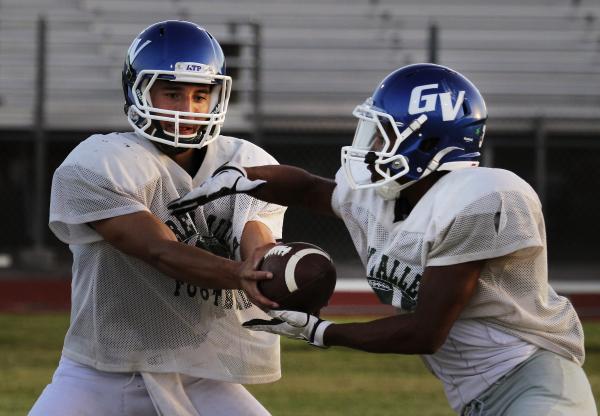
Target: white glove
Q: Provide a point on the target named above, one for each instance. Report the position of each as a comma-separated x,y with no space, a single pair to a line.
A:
226,180
299,325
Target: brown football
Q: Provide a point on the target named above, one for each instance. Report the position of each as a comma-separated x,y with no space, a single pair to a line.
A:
303,277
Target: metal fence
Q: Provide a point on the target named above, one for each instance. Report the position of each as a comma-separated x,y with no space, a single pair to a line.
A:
563,168
559,158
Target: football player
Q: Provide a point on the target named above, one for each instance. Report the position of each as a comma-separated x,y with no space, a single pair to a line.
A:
459,250
158,299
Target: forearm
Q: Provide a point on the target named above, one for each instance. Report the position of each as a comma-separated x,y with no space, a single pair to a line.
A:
443,294
292,186
397,334
144,236
193,265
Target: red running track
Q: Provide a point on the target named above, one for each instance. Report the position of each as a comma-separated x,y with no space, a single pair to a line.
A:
43,294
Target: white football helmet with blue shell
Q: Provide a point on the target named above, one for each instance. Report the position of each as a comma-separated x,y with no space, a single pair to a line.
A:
420,118
177,51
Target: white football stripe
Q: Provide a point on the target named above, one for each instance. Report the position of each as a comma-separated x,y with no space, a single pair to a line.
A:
290,268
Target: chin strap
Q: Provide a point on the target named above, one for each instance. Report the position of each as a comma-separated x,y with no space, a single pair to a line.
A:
435,162
392,189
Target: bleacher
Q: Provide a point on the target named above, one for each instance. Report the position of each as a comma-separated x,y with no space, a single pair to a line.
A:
320,57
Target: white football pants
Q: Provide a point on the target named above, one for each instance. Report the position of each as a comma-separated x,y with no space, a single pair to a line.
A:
79,390
545,384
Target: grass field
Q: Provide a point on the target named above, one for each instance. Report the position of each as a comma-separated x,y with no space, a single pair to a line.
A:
329,382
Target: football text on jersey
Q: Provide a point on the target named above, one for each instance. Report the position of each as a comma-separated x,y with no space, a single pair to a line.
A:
220,233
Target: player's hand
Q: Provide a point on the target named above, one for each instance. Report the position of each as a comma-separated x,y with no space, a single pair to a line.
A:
249,276
226,180
292,324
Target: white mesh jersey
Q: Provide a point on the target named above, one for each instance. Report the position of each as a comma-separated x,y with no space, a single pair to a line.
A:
469,214
125,314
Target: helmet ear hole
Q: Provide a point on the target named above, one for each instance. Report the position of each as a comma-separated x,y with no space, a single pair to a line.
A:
428,144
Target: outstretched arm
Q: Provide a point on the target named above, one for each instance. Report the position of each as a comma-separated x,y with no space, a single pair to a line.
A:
144,236
444,292
292,186
280,184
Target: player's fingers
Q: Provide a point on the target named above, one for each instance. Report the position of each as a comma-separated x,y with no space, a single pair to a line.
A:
182,203
183,208
294,318
258,275
275,314
260,324
198,192
258,298
261,301
176,203
271,327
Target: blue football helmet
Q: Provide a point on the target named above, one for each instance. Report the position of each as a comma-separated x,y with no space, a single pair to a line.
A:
176,51
420,118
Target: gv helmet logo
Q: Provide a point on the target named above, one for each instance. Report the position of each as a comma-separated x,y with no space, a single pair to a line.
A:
424,103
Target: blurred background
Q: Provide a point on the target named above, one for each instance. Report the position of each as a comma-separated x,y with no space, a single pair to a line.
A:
299,68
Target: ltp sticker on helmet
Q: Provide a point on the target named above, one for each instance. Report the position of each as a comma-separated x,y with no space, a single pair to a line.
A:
195,68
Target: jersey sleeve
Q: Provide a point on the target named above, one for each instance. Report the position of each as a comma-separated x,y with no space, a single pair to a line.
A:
269,214
80,195
340,190
492,226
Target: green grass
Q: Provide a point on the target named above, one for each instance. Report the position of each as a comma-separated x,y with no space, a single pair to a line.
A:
337,381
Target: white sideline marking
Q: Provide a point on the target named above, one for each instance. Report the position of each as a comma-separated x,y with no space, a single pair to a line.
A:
561,287
352,285
570,287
